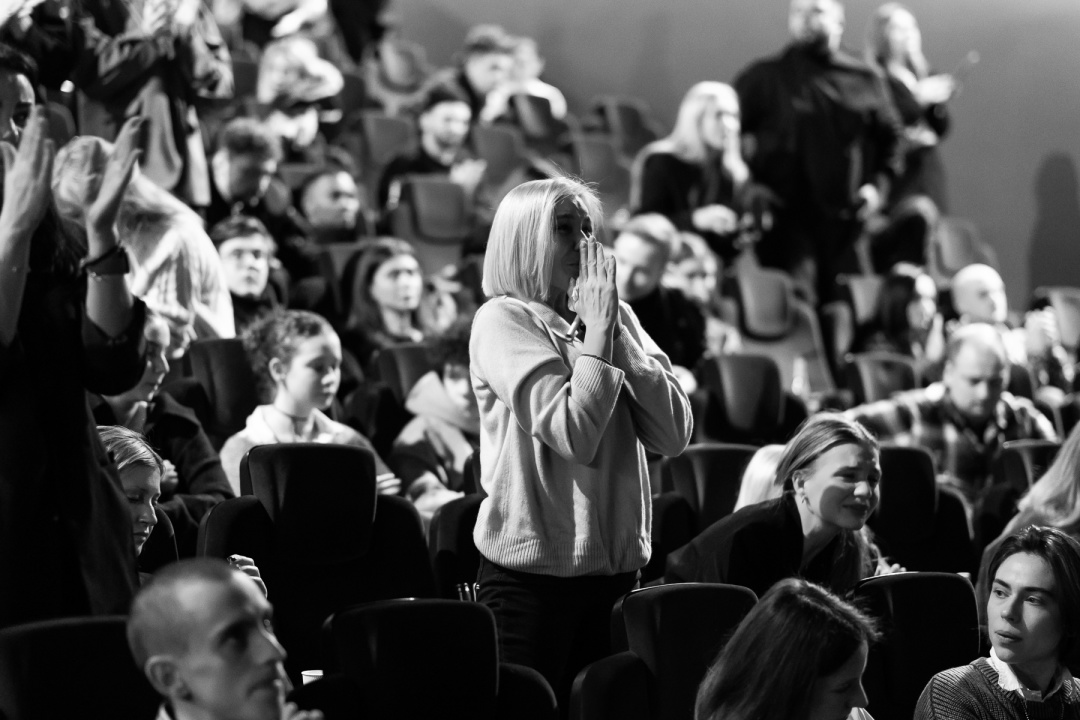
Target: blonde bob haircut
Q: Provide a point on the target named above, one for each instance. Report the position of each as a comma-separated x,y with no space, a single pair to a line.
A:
521,247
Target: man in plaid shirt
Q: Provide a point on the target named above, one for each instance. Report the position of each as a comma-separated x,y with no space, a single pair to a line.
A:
963,420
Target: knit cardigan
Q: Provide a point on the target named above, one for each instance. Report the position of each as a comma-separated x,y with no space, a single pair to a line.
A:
972,692
563,437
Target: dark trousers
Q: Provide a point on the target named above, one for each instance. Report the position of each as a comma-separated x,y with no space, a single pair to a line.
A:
554,625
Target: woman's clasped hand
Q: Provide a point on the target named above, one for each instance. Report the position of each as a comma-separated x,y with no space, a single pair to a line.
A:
593,294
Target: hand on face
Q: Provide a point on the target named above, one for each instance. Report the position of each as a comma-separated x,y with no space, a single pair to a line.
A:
593,295
27,177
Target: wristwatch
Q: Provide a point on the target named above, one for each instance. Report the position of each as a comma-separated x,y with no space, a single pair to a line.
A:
113,261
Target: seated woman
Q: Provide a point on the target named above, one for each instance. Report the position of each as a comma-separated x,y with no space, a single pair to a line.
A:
141,472
387,291
175,268
799,654
695,269
908,322
696,176
759,479
193,480
430,452
829,472
1033,617
296,357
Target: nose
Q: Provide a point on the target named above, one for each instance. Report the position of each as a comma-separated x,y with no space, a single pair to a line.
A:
161,363
147,515
1008,608
271,649
860,699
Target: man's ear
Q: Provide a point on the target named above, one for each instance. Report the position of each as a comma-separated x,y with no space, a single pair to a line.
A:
164,674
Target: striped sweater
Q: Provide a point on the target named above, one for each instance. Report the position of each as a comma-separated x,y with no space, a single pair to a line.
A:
973,692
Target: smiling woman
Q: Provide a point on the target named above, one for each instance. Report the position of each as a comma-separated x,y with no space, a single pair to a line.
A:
1033,618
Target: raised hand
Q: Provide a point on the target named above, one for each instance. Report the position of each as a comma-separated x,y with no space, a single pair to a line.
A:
27,179
593,295
101,216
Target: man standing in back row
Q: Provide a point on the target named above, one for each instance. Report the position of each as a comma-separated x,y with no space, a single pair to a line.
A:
821,134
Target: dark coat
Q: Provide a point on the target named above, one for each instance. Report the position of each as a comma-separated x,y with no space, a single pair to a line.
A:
675,323
176,434
65,529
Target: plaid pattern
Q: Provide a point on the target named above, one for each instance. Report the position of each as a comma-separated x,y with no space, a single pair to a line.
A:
962,458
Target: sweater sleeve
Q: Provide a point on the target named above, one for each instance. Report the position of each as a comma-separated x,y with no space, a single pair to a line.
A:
566,408
660,408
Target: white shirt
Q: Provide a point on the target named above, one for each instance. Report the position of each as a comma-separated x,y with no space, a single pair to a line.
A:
1008,681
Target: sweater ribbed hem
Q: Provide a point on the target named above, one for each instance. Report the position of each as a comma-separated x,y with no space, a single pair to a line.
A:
598,379
587,557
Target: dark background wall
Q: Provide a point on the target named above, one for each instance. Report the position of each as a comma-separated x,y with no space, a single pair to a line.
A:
1011,160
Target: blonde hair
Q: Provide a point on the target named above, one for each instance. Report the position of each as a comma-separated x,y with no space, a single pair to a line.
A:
759,480
877,41
1056,495
521,246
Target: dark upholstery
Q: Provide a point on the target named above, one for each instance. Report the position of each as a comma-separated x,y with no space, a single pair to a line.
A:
876,376
400,366
221,368
72,667
929,622
454,556
708,475
615,688
159,549
862,293
1022,462
674,524
629,123
502,147
238,526
334,260
599,162
746,401
433,214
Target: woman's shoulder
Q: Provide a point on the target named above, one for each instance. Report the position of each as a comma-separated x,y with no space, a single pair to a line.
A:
753,523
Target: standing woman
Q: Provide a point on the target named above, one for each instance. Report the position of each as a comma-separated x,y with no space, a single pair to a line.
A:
917,197
696,176
571,393
65,327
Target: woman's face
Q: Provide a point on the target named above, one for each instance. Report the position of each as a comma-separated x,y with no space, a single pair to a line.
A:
397,284
313,375
156,363
835,695
572,225
142,487
1023,615
923,306
720,123
841,486
902,36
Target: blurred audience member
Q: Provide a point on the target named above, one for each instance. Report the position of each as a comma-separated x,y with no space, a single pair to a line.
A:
246,250
62,333
158,59
917,196
175,268
18,75
192,480
696,176
430,452
822,135
296,357
799,653
963,420
41,29
671,319
387,289
486,63
331,203
444,128
760,481
395,73
524,79
907,320
694,269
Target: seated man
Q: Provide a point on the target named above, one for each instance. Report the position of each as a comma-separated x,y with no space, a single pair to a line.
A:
978,294
444,128
430,452
331,203
964,419
246,250
642,250
201,633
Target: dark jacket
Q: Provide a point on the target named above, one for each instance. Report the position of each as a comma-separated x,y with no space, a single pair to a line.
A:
675,323
177,435
65,529
755,547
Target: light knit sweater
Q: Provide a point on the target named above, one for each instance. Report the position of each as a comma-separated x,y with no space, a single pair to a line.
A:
563,438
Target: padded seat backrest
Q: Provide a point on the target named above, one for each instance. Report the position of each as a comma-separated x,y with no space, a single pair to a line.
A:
439,207
1022,462
335,260
767,304
863,293
400,366
321,498
709,476
221,367
503,149
454,556
746,398
535,117
908,495
917,643
448,647
72,667
386,136
599,162
629,122
237,526
876,376
678,630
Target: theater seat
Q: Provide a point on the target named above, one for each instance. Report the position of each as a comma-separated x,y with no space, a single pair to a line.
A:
599,162
502,147
221,368
629,122
708,475
434,214
454,556
745,402
674,633
929,623
72,667
432,658
400,366
874,376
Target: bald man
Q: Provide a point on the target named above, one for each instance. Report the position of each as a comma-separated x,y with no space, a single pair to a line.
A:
978,294
821,133
964,419
201,632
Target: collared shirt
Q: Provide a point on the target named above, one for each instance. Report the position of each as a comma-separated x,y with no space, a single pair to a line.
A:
962,458
1008,681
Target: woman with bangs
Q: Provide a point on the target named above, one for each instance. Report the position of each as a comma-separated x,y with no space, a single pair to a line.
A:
571,393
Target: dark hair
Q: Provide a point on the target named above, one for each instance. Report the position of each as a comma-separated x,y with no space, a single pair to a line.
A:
488,39
246,136
18,63
451,346
440,94
798,633
236,226
364,313
897,294
277,336
1062,553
